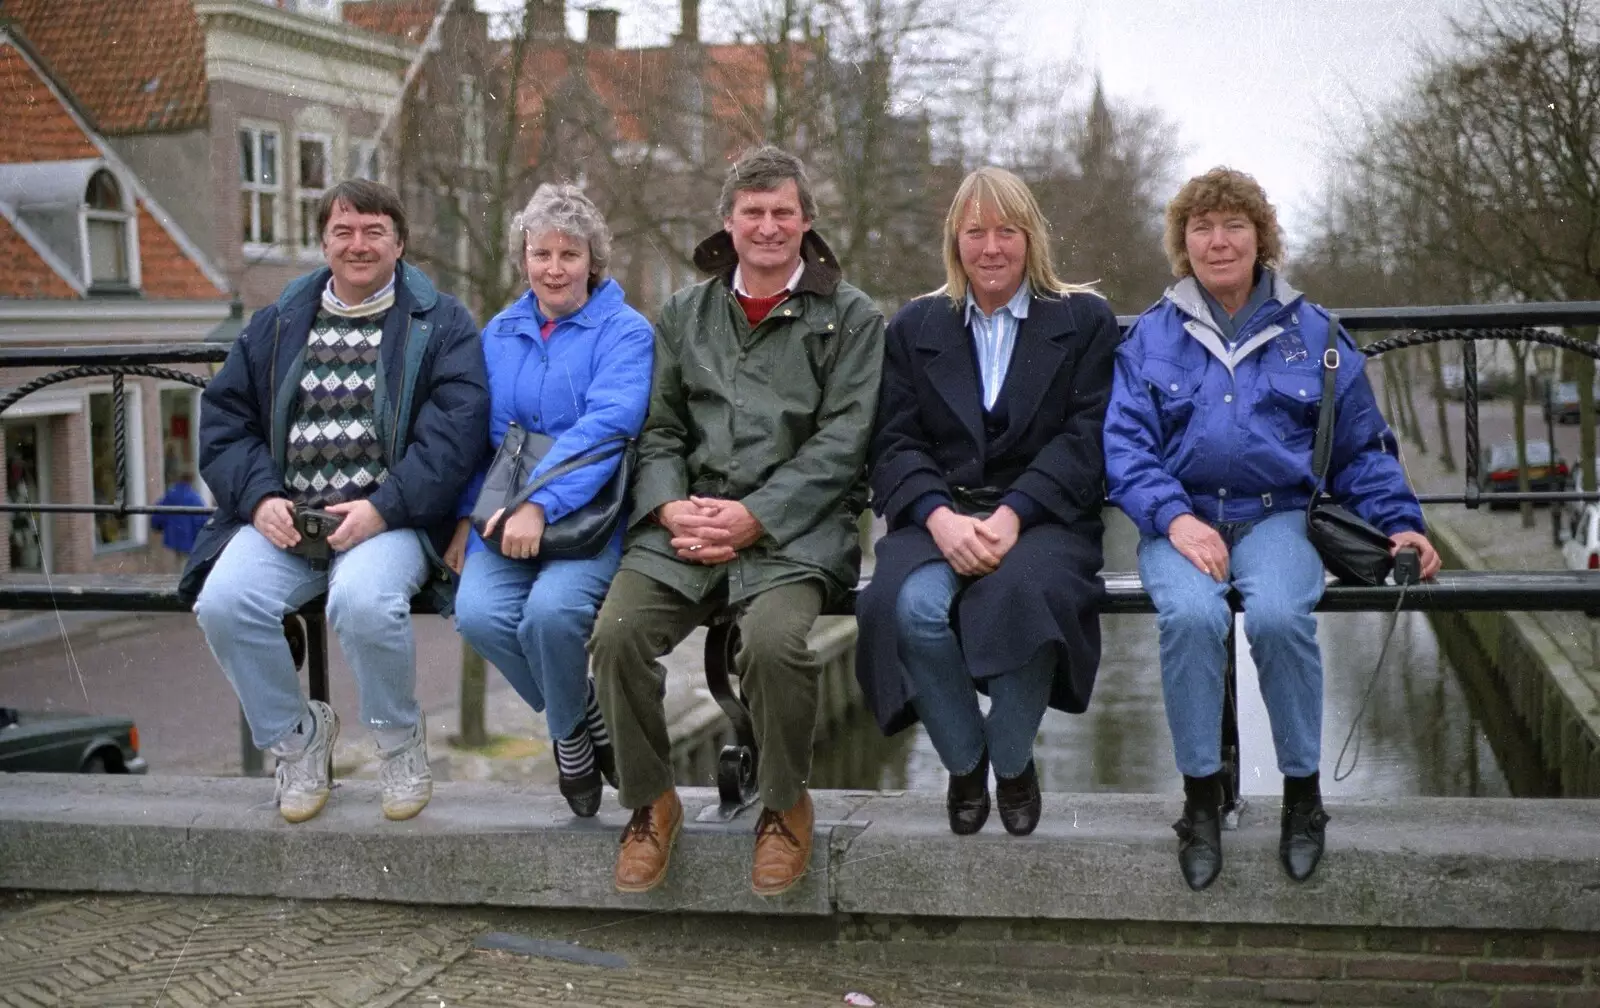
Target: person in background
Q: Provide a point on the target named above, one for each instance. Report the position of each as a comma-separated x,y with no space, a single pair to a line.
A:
986,464
569,360
1208,450
360,392
179,531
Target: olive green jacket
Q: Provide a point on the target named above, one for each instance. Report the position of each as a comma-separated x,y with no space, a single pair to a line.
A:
777,416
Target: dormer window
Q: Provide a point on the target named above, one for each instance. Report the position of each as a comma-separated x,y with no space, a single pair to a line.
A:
107,233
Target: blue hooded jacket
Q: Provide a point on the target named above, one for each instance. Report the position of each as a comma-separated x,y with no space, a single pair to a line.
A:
1224,431
588,382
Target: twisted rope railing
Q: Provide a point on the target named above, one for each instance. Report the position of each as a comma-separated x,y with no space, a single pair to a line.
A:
119,428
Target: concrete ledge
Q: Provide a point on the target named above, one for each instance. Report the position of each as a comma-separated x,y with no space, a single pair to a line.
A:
1446,863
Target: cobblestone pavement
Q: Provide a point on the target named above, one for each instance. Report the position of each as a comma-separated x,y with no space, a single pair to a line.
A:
187,952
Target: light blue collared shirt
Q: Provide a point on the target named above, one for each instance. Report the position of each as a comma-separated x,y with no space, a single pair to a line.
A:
995,337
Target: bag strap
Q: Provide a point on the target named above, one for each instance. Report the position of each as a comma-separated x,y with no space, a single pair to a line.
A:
1322,451
606,448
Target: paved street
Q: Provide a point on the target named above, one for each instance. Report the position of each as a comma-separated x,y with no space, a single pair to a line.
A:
192,952
157,670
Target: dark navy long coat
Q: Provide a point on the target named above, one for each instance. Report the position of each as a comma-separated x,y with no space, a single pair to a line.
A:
929,436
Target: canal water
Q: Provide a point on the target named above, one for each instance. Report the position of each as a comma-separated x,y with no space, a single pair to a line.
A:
1433,727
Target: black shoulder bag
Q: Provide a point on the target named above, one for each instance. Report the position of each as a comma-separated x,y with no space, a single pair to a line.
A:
1352,549
581,534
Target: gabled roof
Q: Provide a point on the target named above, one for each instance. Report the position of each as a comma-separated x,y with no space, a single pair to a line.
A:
404,19
136,67
47,151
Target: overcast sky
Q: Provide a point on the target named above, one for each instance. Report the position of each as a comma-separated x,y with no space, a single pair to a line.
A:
1272,87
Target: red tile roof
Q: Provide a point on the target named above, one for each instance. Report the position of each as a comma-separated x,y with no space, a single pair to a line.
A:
40,127
632,84
35,127
406,19
134,67
23,273
165,271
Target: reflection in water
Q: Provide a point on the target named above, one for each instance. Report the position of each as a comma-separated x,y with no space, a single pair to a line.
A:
1426,731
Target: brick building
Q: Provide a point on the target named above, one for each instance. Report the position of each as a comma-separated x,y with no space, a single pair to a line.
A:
87,254
236,113
186,144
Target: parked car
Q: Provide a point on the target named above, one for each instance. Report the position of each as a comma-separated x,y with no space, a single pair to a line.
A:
1498,470
68,743
1580,527
1564,402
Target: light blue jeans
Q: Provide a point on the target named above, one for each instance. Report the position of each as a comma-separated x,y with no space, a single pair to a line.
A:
254,584
1279,575
947,698
532,619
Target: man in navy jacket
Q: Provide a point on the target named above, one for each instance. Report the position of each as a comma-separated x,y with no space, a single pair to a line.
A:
361,392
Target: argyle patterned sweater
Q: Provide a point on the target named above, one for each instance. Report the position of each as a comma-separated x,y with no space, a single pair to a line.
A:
334,455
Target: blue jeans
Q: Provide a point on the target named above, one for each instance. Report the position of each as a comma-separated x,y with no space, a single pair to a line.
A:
947,698
1279,575
532,618
254,584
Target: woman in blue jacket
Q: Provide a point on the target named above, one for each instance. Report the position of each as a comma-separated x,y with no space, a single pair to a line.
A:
1208,449
569,360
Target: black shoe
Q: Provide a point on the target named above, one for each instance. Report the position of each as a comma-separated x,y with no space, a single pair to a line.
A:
1019,801
968,799
1200,831
1303,831
582,793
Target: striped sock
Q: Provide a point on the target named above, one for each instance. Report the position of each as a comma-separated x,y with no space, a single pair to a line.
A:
593,718
575,755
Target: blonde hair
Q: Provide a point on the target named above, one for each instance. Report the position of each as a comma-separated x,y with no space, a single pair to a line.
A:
996,189
1229,191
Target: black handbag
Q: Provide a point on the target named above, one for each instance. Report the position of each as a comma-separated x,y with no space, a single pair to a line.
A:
580,535
1352,549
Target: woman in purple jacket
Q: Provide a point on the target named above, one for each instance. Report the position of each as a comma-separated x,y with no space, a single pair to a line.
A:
569,360
1208,449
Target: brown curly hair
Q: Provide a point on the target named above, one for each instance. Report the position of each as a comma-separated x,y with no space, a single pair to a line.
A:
1229,191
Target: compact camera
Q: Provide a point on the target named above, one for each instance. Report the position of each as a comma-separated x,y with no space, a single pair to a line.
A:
314,527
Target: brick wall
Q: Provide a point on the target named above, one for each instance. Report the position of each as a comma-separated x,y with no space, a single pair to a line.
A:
1251,963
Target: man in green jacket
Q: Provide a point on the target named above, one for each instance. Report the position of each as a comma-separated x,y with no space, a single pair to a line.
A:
750,481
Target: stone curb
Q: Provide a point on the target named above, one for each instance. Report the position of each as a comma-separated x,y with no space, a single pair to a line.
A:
1412,862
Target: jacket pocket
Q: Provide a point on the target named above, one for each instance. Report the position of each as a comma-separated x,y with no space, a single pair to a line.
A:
1290,404
1174,389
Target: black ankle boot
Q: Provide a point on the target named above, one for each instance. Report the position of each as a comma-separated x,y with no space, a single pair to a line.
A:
968,799
605,760
1303,832
1200,831
1019,801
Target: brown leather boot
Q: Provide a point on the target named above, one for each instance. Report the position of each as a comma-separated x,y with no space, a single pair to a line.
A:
647,844
783,847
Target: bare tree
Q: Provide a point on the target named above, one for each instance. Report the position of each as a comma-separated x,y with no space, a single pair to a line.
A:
1486,176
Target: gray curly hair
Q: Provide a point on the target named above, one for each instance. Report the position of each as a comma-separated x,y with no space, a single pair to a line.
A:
563,207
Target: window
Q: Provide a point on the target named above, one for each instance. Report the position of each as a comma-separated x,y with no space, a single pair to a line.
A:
259,184
365,161
26,475
311,180
473,153
111,531
106,229
180,435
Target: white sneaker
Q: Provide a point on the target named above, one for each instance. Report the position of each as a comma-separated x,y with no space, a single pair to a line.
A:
407,779
305,778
